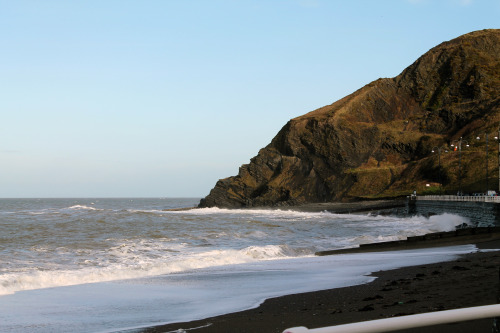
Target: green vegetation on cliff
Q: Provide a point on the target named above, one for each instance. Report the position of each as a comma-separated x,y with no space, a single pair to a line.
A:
378,141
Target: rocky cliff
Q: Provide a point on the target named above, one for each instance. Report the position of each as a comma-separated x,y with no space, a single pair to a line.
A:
378,141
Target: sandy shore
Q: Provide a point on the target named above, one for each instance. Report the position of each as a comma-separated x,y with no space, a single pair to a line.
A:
471,280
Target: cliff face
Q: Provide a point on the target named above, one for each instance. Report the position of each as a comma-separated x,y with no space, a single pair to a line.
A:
377,142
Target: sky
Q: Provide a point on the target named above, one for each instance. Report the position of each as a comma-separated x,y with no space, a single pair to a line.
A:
161,98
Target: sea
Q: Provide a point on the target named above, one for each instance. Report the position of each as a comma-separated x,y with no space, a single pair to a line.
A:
117,265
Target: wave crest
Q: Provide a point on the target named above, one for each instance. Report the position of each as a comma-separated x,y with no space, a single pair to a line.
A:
82,207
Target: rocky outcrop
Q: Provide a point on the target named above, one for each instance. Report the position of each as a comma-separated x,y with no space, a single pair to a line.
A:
377,142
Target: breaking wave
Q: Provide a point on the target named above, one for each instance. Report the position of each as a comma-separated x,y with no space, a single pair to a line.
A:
142,266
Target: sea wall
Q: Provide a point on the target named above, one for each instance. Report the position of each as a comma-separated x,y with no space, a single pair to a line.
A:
437,239
481,214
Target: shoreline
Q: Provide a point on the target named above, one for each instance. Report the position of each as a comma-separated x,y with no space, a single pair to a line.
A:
470,280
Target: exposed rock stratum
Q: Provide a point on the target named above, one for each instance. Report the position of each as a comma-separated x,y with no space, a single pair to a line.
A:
378,141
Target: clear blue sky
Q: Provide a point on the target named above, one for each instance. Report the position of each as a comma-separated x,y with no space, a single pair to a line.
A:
119,98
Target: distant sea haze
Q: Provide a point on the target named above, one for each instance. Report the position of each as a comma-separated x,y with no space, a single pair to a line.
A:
102,265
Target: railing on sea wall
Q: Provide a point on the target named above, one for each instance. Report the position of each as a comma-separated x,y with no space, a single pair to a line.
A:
473,198
405,322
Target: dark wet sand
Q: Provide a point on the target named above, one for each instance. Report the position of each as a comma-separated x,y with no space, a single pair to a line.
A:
471,280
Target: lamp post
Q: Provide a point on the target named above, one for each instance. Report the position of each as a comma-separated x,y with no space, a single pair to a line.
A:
459,147
486,161
438,149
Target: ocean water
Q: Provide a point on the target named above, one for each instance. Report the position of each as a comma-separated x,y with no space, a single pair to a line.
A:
106,265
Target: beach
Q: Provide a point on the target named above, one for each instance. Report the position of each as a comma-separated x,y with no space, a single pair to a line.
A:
132,264
471,280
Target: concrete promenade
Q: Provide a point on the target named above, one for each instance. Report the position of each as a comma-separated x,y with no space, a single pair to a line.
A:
471,198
